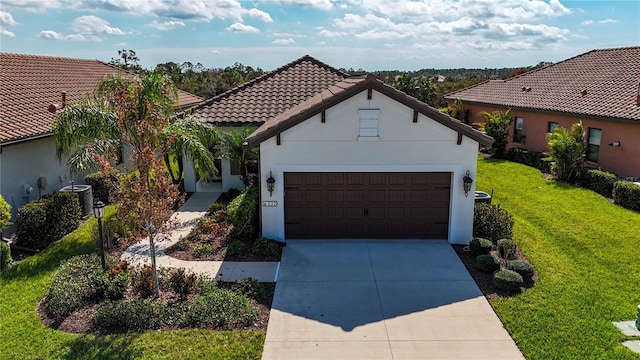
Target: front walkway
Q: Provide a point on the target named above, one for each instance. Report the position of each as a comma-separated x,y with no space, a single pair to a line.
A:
380,299
192,210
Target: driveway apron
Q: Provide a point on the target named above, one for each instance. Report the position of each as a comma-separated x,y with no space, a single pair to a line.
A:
380,299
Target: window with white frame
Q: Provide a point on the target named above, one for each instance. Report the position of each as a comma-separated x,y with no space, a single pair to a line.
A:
368,124
593,144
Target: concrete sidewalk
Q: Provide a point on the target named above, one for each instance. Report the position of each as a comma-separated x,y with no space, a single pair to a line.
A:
187,216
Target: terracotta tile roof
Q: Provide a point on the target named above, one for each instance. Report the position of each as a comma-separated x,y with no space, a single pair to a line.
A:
346,89
601,83
30,83
270,94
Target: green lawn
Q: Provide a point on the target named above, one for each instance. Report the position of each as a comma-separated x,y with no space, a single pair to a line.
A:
587,253
22,336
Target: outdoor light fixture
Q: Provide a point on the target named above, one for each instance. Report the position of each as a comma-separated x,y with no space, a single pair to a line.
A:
466,183
615,143
98,212
271,182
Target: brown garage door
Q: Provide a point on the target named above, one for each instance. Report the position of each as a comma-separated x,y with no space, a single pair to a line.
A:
366,205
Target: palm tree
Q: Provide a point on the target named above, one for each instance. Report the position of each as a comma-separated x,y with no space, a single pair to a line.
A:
233,148
92,127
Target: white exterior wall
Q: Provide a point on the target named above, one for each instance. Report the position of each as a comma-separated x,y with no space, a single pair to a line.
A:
24,163
403,146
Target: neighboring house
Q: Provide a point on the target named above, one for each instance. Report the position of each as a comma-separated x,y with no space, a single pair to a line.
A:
601,88
253,103
29,85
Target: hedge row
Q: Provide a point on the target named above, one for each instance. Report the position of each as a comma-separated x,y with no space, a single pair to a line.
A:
598,181
627,195
48,219
530,158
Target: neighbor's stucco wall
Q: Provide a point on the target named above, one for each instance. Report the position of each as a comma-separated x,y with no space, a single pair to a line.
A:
404,146
623,160
24,163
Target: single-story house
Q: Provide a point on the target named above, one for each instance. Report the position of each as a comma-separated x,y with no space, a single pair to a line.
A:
601,88
32,88
348,157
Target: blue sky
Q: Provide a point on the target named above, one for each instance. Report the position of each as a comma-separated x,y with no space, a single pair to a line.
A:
359,34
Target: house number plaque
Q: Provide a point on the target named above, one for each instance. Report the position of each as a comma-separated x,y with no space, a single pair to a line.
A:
271,203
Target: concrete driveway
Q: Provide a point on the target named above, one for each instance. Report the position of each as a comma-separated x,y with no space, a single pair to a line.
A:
396,299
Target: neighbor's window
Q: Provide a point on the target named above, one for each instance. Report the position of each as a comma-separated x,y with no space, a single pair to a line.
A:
552,126
593,145
518,135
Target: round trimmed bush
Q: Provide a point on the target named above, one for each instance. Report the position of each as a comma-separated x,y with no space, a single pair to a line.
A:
488,262
480,246
491,222
235,248
523,268
507,249
507,279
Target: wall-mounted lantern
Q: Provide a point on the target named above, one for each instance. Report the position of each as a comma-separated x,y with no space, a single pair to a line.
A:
615,144
271,182
466,183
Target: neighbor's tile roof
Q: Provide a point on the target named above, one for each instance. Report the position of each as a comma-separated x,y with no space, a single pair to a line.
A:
602,83
264,97
30,83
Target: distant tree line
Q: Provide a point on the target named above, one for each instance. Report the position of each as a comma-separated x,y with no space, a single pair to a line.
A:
428,85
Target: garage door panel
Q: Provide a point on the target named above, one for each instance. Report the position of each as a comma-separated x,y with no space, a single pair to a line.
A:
367,205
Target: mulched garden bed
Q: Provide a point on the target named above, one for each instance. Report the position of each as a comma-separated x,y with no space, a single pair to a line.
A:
484,280
79,322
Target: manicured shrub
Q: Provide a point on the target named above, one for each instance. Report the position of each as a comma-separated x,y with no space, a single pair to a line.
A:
110,287
202,250
243,211
219,308
598,181
528,157
507,280
627,195
265,247
480,246
128,315
181,245
235,248
250,288
72,286
507,249
142,281
488,262
523,268
491,222
182,283
215,207
43,221
5,256
102,188
5,214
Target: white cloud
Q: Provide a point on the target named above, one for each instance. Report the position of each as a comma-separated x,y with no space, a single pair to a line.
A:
90,24
239,27
6,19
316,4
607,21
288,41
5,32
260,15
167,25
331,34
587,22
51,35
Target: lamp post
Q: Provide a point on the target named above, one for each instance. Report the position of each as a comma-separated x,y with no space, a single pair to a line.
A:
98,212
